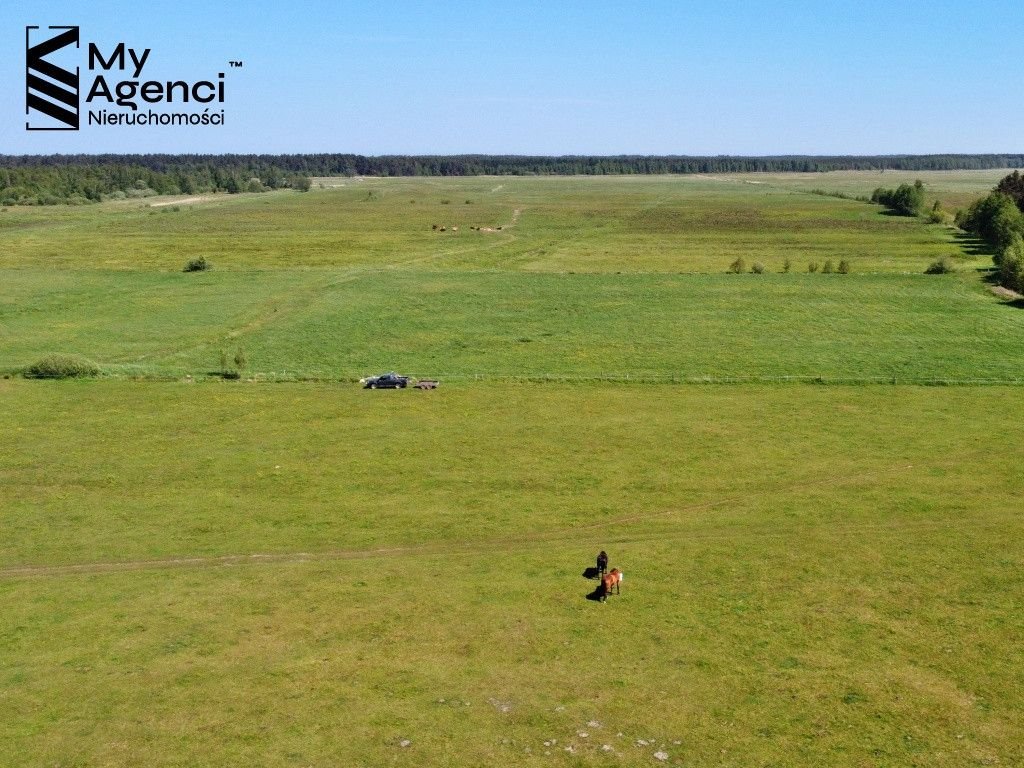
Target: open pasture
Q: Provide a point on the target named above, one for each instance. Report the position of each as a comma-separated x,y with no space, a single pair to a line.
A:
343,324
953,189
675,224
196,571
815,575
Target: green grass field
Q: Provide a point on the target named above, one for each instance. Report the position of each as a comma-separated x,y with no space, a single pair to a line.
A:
607,224
341,325
288,570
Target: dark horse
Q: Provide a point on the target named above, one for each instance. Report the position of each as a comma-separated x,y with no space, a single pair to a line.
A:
602,564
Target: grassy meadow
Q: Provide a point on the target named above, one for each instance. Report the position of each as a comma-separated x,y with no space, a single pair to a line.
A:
290,571
674,224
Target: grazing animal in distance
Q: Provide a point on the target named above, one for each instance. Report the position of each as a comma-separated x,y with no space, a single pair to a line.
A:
602,564
611,581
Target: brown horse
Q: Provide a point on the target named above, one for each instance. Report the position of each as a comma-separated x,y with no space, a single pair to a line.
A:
611,580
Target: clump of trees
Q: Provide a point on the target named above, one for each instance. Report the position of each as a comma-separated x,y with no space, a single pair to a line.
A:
995,218
905,200
1010,267
1013,186
998,220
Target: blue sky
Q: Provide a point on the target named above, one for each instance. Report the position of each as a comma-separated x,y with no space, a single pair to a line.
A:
580,77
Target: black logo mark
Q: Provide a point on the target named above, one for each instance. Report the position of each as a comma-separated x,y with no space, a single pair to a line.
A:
48,86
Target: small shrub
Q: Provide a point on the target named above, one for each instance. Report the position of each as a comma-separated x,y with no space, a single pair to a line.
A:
787,265
844,267
240,363
936,215
827,268
62,367
757,269
197,265
737,267
812,267
941,266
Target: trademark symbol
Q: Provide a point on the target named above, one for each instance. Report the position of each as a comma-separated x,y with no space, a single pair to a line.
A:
234,64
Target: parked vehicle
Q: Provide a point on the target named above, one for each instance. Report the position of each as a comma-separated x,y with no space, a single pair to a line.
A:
426,384
389,380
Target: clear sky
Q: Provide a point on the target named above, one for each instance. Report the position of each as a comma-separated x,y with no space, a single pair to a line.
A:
557,77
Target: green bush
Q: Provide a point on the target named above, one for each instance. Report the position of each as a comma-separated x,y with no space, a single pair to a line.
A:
844,267
828,269
62,367
787,265
941,266
197,265
738,267
812,267
758,268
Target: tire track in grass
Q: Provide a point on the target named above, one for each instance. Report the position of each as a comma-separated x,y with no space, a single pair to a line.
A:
491,546
517,542
287,303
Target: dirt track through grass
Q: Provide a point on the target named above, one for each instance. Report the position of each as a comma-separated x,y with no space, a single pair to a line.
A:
501,544
308,574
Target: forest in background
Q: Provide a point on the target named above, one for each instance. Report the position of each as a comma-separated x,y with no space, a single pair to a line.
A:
80,179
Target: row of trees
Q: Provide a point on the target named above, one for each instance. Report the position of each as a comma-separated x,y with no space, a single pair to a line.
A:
998,220
84,178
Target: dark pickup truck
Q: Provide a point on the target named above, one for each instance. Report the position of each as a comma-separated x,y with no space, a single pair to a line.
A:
385,381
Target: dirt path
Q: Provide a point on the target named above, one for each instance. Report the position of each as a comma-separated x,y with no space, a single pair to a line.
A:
498,544
184,201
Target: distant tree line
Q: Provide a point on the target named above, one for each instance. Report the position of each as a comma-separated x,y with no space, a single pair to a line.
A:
81,179
50,179
998,220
